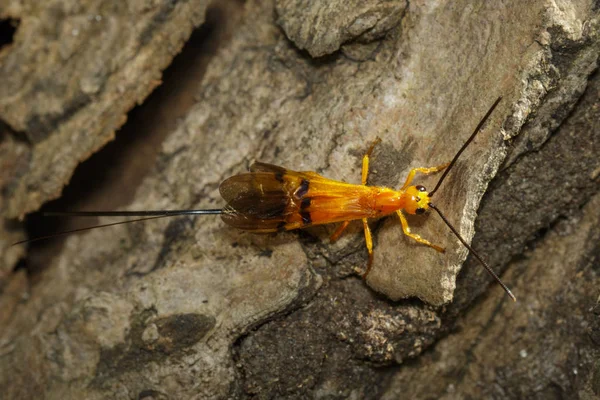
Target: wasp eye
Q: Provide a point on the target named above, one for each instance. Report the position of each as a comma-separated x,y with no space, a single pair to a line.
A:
421,188
420,211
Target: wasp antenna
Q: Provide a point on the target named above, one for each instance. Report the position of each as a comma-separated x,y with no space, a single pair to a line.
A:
485,265
464,146
146,214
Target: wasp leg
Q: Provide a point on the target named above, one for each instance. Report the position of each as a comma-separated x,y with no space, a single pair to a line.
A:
369,242
365,175
365,161
414,236
338,232
425,171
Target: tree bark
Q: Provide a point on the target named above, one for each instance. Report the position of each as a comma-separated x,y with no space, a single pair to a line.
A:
190,308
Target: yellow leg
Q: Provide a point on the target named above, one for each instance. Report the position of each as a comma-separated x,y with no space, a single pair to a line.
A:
338,232
369,242
365,161
365,176
425,171
414,236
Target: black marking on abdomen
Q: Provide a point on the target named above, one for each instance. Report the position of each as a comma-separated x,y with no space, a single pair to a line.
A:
281,226
279,176
302,189
306,219
305,203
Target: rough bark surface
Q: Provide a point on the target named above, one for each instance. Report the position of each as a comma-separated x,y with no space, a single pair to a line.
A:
189,308
69,78
322,27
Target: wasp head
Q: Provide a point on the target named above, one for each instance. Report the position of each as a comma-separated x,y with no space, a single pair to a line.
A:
417,200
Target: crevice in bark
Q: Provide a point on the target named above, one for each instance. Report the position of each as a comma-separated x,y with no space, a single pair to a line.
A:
532,210
8,28
109,178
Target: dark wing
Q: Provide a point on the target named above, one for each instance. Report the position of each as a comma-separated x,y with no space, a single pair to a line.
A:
281,172
264,167
271,198
257,201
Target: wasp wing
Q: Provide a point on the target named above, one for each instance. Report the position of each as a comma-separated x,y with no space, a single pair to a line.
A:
264,167
282,172
256,201
272,198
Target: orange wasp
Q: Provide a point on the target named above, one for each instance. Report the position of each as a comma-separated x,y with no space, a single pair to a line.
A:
272,199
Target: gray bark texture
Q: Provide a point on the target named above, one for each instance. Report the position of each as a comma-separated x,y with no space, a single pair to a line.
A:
185,307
